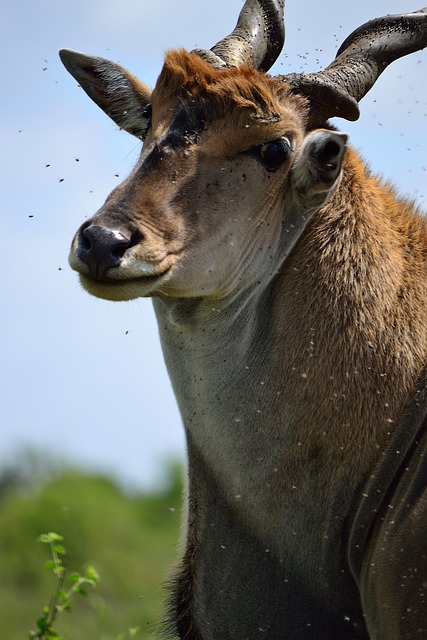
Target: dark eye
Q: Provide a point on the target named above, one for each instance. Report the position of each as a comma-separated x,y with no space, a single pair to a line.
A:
274,153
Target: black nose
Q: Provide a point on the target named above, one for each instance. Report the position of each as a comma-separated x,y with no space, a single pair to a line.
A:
101,248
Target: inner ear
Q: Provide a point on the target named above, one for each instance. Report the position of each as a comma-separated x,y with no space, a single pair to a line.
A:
120,95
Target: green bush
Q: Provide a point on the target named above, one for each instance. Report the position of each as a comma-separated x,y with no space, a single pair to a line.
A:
130,539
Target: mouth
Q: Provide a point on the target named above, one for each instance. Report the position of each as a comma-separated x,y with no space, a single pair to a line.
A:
124,288
113,266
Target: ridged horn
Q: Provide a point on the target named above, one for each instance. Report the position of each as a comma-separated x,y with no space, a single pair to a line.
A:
360,60
256,41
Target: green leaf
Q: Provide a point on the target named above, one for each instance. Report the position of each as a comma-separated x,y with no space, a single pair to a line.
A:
42,623
80,590
55,537
92,574
48,538
75,576
43,538
60,549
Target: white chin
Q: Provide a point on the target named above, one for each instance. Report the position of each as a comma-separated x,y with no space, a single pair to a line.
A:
117,290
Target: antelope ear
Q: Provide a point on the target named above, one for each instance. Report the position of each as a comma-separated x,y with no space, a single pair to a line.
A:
124,98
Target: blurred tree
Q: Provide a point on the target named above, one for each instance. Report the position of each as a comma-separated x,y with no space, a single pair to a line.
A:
129,538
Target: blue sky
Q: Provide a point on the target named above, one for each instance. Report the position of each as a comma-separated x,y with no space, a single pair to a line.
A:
81,378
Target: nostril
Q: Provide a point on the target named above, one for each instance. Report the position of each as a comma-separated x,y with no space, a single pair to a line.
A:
101,248
84,241
120,249
136,238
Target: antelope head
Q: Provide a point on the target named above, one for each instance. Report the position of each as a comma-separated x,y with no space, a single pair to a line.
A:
234,162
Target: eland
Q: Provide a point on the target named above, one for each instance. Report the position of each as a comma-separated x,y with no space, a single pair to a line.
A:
290,289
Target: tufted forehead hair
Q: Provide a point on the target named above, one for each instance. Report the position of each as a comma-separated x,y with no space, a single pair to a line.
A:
187,79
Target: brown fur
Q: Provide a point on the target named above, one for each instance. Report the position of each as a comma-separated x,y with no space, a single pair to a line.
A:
292,366
222,91
242,100
357,282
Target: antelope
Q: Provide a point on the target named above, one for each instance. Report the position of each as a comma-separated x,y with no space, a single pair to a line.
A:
290,289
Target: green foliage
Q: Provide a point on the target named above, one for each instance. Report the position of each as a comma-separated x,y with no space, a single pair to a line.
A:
61,599
130,539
